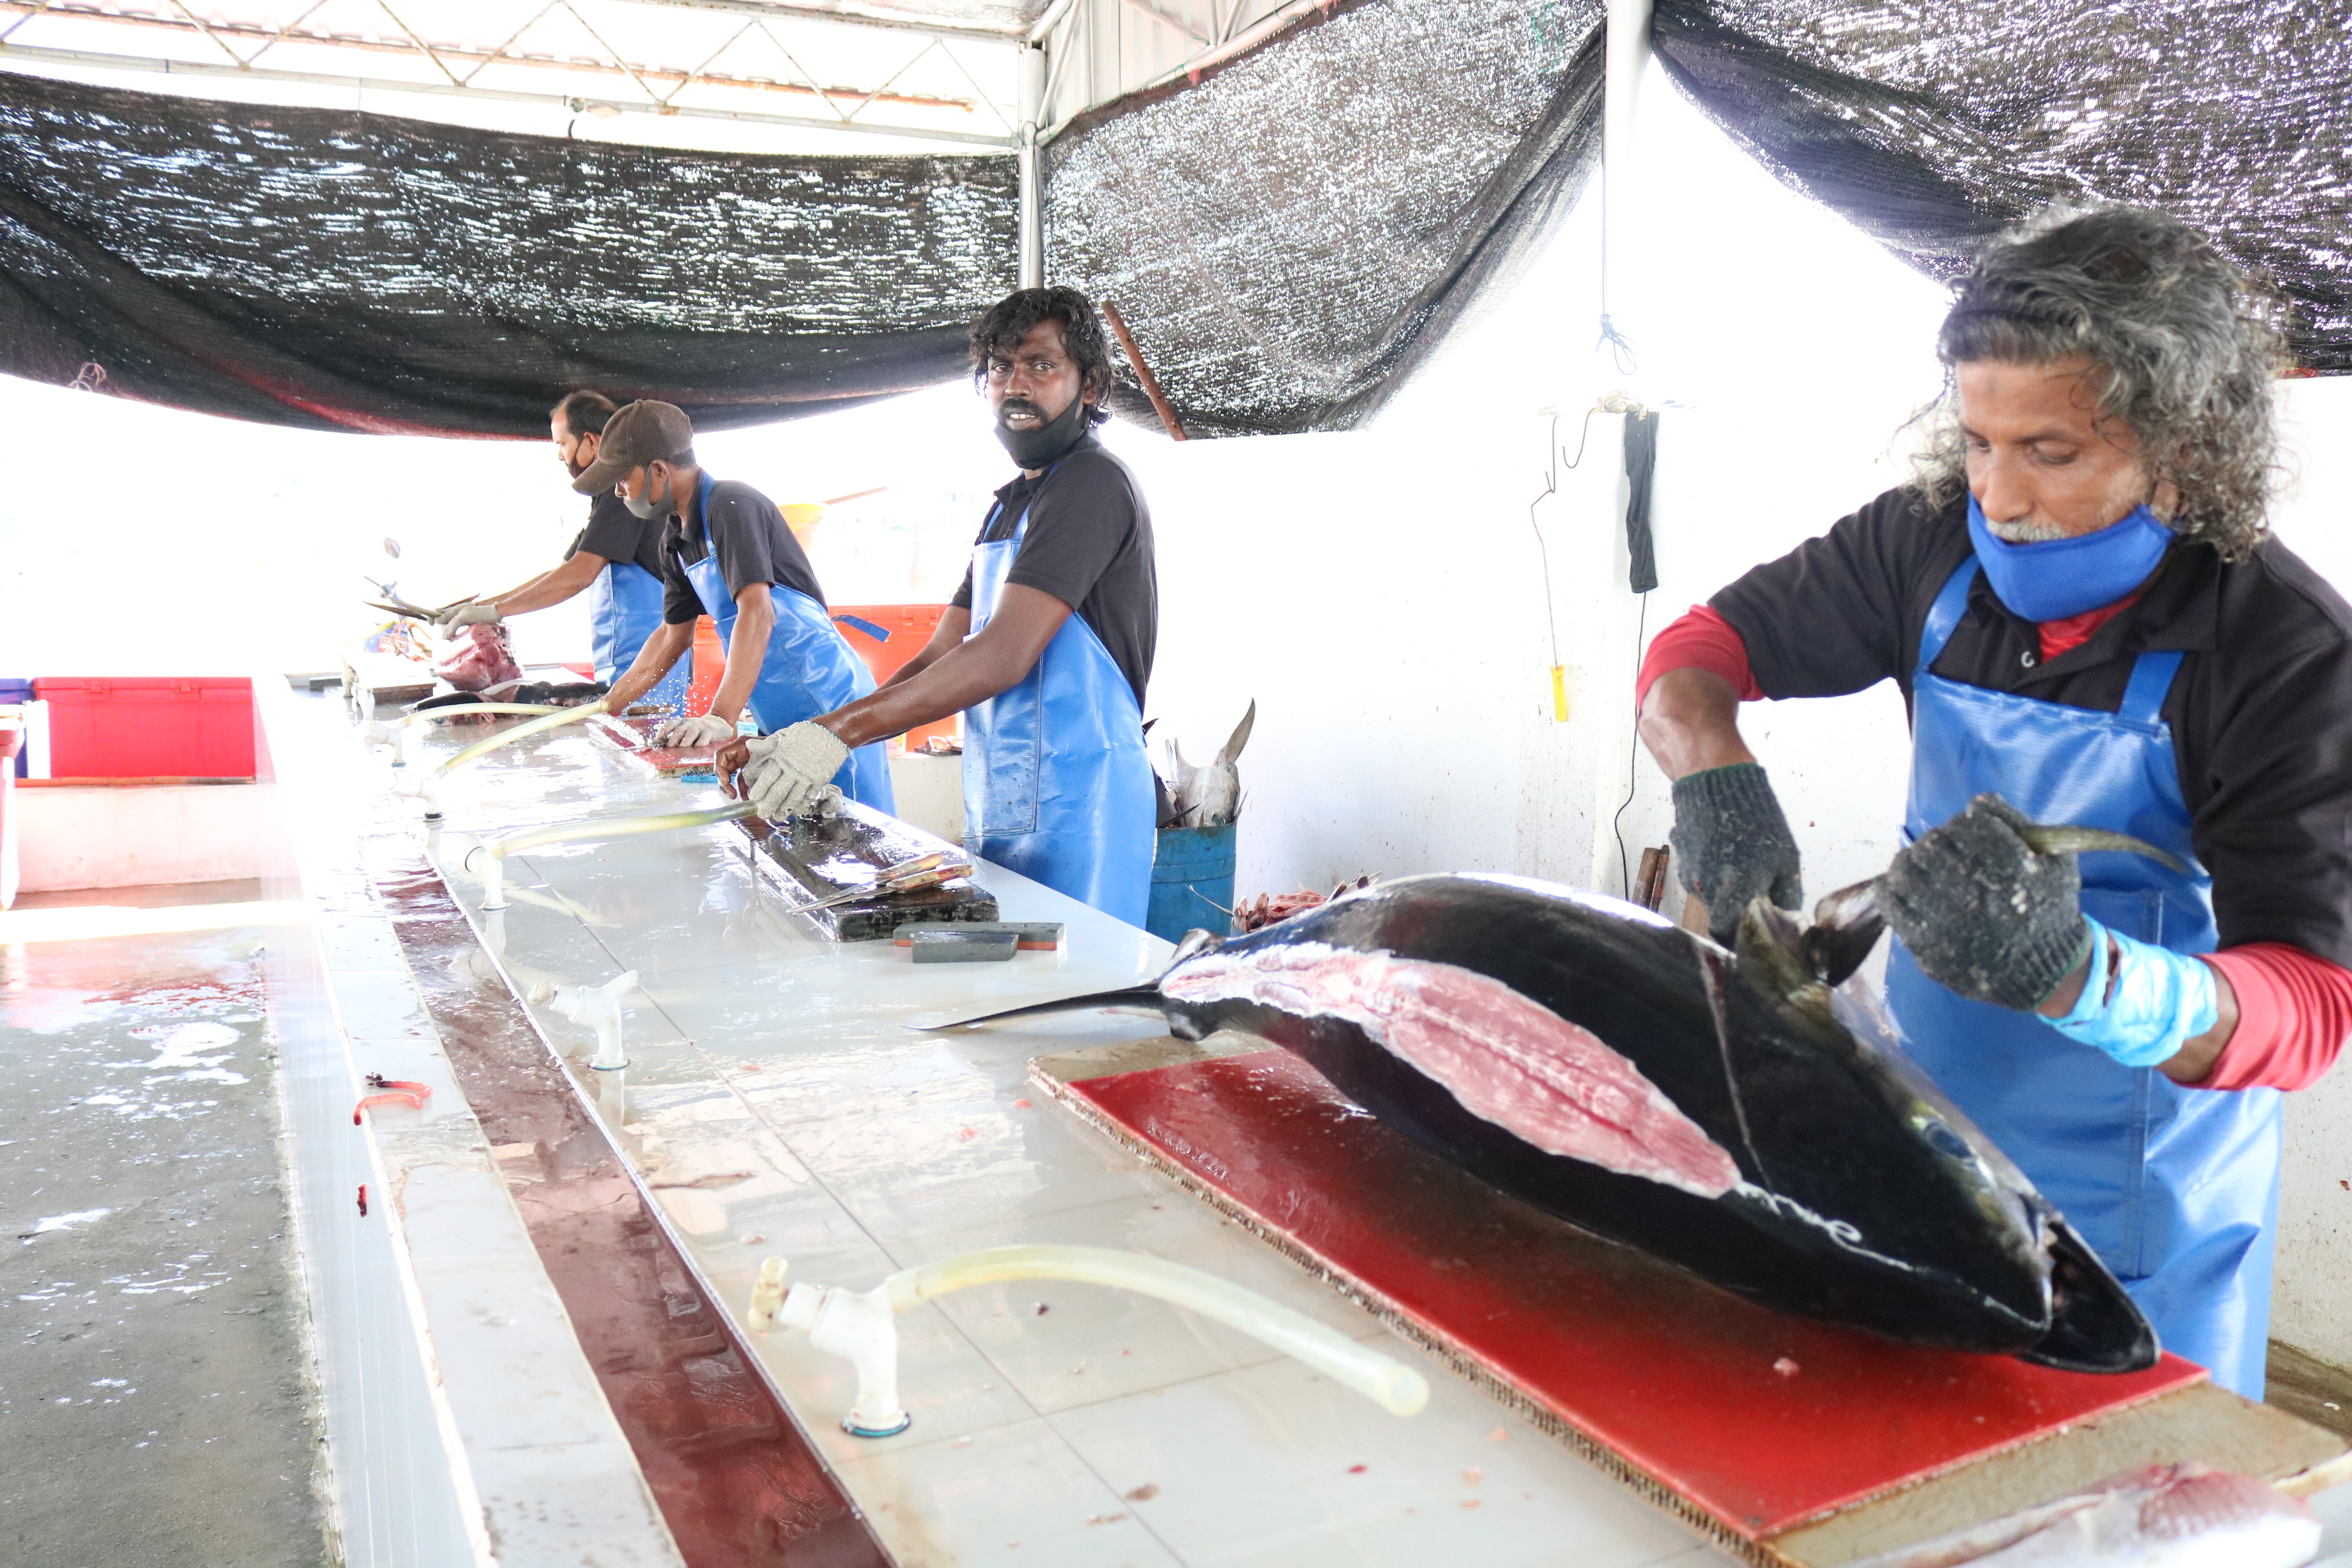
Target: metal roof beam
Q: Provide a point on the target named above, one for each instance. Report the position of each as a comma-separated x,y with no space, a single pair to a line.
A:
445,89
788,11
644,76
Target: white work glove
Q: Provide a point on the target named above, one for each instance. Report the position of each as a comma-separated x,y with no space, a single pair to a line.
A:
702,730
790,773
457,617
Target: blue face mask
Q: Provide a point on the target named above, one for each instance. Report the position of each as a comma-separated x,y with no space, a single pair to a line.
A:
2056,578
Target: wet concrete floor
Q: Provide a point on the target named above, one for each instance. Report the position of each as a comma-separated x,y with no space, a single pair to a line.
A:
152,1398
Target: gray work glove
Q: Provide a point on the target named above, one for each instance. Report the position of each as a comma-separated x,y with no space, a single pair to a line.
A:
1732,845
698,729
789,772
1982,913
457,617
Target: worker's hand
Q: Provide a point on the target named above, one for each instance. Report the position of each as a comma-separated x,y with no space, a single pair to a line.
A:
700,730
1732,845
457,617
790,773
1982,913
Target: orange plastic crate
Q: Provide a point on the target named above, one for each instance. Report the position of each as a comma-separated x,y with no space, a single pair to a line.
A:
909,627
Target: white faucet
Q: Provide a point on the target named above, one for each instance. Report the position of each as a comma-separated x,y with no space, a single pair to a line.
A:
599,1008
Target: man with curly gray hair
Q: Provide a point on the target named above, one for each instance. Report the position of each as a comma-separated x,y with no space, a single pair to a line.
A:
2080,598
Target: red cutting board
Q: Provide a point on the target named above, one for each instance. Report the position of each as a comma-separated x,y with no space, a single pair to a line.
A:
1758,1419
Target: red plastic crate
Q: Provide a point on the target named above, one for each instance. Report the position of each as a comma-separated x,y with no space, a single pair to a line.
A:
113,727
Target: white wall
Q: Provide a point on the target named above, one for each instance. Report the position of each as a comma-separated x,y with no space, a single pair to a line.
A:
181,543
76,836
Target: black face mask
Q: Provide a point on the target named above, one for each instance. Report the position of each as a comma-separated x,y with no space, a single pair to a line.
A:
1048,443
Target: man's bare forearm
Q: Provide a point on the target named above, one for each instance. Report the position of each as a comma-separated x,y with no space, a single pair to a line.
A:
746,651
663,649
947,636
553,587
1690,723
957,672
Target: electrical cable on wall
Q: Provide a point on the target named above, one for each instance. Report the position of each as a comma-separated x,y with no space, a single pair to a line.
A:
1632,762
1543,551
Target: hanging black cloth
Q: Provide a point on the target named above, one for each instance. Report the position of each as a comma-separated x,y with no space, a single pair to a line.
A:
1640,470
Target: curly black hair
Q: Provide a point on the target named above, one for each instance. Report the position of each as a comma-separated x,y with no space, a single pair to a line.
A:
2183,349
1008,320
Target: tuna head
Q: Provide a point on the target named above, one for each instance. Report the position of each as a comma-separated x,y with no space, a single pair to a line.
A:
1594,1061
2092,1325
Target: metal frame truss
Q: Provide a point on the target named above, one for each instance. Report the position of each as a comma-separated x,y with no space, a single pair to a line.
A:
651,87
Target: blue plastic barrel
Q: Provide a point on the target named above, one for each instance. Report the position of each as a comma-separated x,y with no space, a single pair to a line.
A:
1191,881
15,690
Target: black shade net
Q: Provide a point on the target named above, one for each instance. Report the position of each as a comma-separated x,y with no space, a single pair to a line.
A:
1930,127
1289,234
345,271
1291,237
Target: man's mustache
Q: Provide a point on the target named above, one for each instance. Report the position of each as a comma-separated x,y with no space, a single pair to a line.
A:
1012,406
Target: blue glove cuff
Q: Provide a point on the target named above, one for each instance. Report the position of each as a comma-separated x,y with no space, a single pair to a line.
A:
2159,999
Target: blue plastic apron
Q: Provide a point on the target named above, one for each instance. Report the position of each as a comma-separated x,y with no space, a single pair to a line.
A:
2177,1189
624,606
808,670
1056,785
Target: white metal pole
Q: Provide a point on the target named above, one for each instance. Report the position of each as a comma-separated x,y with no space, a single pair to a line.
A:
1033,210
1629,54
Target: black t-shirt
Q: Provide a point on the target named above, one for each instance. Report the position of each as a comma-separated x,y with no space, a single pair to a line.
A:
2261,712
618,535
1089,546
754,545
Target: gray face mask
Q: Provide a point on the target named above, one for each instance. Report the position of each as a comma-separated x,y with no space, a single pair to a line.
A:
646,509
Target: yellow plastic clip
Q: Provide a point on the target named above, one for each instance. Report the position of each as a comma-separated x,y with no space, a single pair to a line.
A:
1559,693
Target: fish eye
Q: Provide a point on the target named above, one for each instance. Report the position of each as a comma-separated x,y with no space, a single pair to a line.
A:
1943,1141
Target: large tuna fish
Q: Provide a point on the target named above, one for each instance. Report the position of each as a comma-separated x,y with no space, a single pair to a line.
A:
1730,1114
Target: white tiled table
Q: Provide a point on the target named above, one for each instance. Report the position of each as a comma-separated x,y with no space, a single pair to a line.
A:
1109,1428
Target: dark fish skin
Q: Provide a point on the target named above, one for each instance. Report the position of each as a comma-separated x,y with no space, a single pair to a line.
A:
1866,1198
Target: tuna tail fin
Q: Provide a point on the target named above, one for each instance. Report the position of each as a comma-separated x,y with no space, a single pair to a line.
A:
1239,738
1846,926
2044,840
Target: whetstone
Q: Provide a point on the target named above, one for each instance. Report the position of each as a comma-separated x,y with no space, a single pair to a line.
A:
814,858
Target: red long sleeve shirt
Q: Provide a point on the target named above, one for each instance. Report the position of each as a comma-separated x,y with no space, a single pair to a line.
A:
2294,1008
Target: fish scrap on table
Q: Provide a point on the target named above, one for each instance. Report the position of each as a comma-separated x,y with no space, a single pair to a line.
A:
1744,1115
1267,908
479,657
2164,1516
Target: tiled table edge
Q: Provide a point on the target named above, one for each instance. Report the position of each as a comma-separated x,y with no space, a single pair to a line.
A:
606,1505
